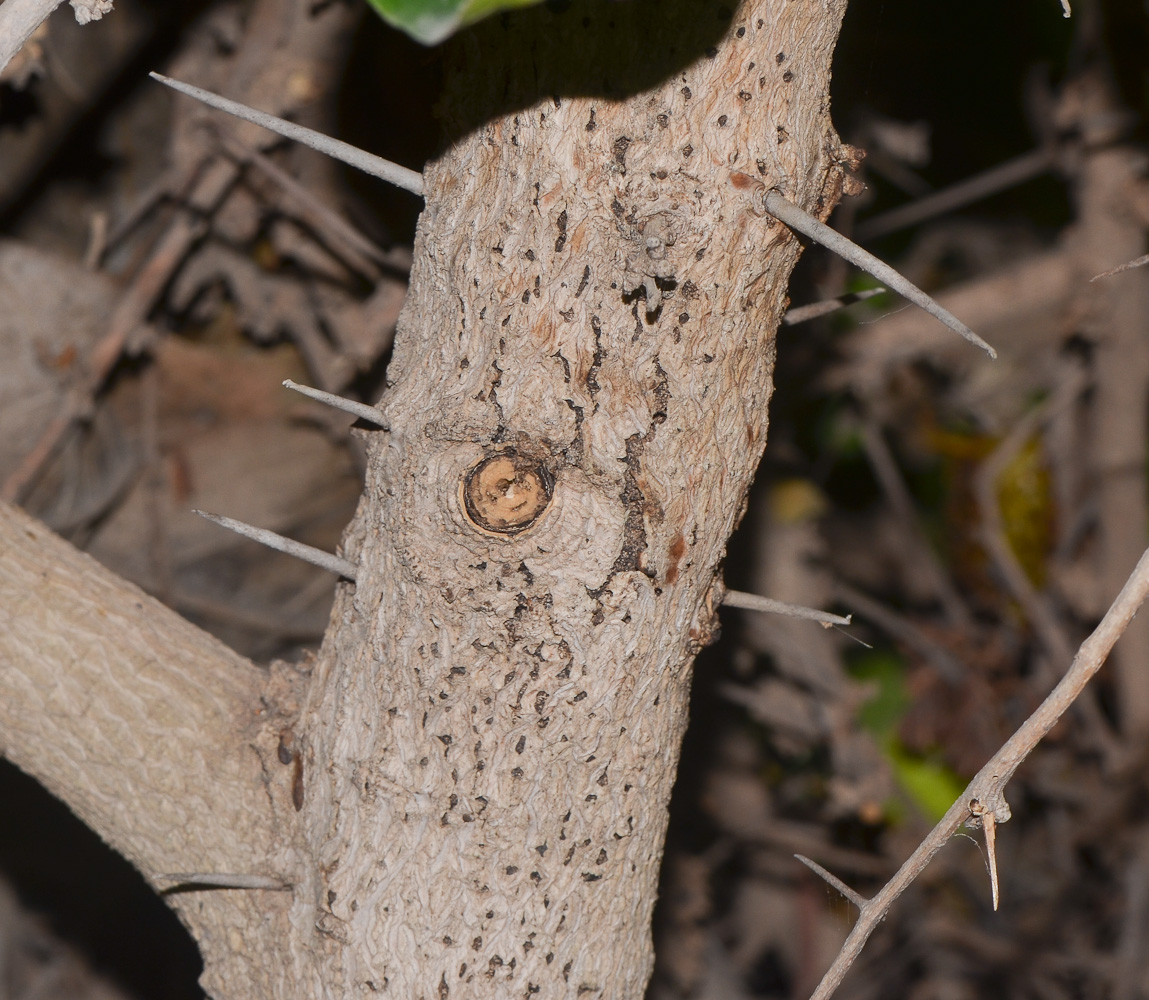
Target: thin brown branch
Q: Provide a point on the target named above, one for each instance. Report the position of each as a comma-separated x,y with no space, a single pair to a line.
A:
985,794
125,322
886,469
1050,633
1037,610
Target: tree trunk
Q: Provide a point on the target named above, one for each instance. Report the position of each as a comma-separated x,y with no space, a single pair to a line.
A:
472,799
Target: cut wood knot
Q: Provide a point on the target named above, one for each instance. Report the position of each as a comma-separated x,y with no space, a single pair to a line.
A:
507,493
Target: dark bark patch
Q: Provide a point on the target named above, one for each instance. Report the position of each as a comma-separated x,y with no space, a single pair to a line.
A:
619,148
297,783
675,552
561,224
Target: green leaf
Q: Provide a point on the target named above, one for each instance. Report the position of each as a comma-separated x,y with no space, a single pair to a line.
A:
430,21
882,713
930,785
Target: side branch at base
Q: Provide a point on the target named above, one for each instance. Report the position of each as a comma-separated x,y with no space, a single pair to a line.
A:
114,702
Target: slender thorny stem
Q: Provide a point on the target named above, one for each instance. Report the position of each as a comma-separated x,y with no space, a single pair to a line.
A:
983,803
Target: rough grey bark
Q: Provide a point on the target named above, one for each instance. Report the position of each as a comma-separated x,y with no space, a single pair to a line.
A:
473,799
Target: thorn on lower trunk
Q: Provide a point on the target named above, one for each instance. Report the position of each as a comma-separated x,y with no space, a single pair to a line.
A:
752,602
308,553
803,314
225,880
360,410
819,232
369,163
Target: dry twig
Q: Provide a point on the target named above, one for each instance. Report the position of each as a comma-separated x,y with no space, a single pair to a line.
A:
983,801
1128,266
125,321
803,314
901,628
365,254
886,469
1049,631
989,182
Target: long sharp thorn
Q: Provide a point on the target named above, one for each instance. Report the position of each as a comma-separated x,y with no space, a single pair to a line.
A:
376,166
308,553
803,314
361,410
819,232
752,602
856,898
989,827
225,880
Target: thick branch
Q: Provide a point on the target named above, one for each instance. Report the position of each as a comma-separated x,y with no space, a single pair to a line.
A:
18,19
115,703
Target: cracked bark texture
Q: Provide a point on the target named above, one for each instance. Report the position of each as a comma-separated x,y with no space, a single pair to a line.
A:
472,799
497,715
